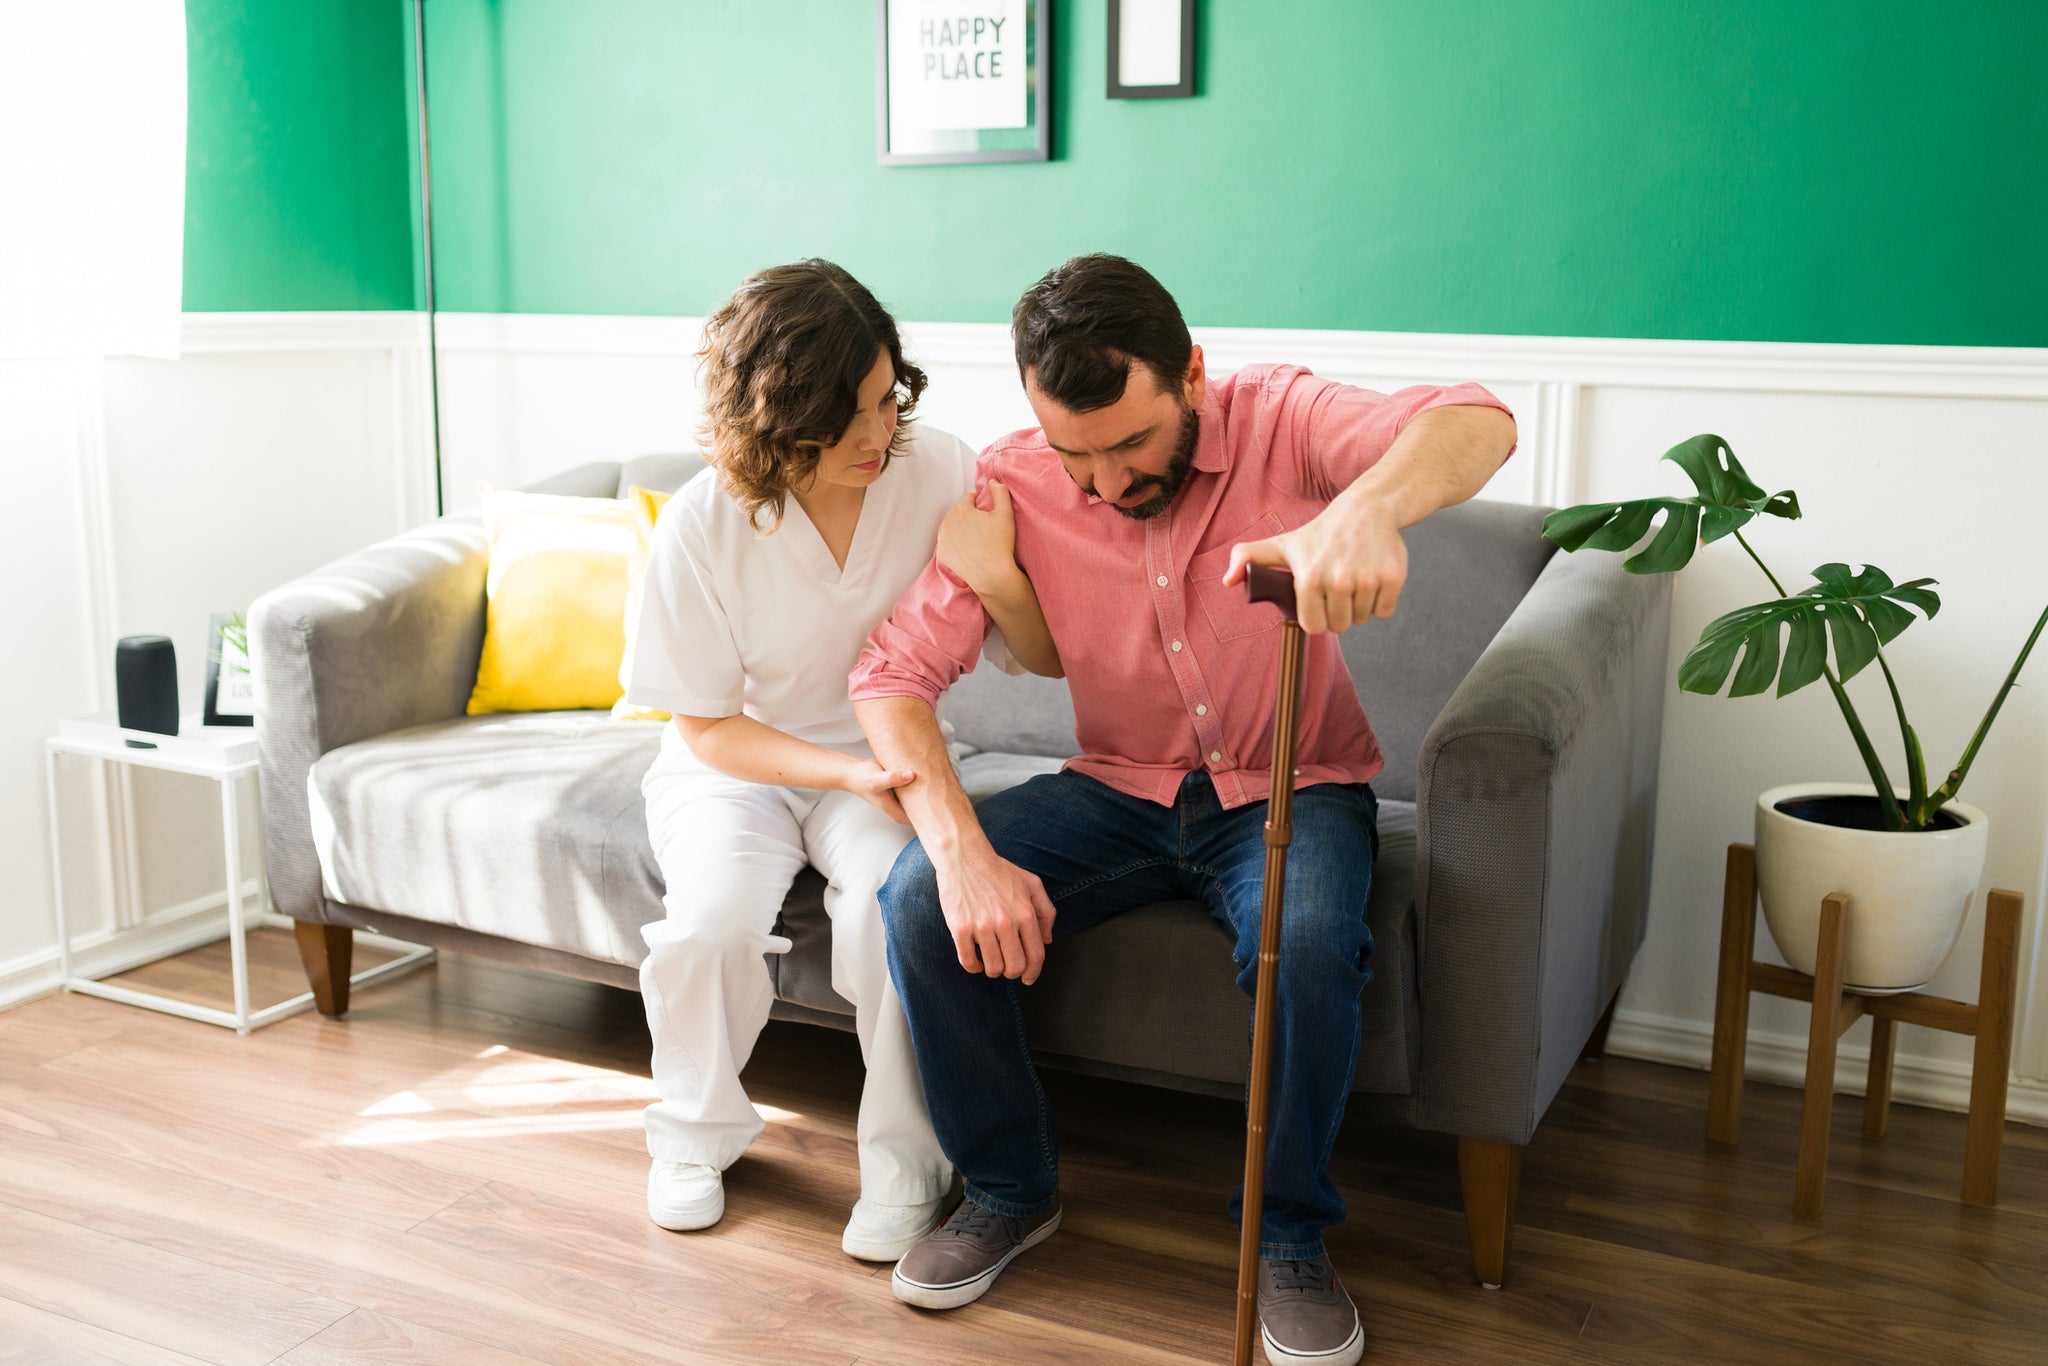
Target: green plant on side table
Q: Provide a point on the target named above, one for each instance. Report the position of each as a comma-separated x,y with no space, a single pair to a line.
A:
1909,861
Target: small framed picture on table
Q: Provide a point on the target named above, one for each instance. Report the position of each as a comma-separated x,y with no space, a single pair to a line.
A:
963,80
230,691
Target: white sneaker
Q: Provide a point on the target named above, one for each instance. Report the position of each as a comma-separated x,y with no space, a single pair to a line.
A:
685,1195
883,1233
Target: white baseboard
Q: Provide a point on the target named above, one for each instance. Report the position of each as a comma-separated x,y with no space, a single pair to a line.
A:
1933,1082
174,929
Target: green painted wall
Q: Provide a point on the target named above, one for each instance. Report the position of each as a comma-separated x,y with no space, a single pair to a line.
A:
1790,170
297,171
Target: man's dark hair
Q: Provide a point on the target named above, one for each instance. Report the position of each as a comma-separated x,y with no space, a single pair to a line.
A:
1080,328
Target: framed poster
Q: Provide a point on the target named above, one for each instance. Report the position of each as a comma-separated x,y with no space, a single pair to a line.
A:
962,80
1151,49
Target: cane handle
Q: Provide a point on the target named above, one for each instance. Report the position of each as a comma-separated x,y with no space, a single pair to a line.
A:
1265,584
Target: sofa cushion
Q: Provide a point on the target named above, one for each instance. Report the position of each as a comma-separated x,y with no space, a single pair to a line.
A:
1469,567
987,772
556,591
598,479
1021,714
527,825
662,473
643,510
532,827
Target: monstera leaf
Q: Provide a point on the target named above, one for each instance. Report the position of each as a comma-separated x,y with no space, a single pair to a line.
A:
1727,498
1787,639
1857,612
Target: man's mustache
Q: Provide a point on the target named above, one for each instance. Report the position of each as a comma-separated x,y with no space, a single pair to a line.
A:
1138,485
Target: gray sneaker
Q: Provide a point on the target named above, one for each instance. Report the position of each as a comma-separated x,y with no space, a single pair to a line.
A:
961,1258
1305,1318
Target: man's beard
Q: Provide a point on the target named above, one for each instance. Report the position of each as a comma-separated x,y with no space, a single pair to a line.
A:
1166,486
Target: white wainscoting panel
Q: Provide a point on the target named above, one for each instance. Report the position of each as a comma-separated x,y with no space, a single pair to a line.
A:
1942,486
526,396
141,496
46,550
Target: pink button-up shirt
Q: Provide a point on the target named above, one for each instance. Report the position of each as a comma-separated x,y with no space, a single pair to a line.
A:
1170,670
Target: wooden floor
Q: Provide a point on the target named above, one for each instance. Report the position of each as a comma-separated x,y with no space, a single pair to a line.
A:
456,1174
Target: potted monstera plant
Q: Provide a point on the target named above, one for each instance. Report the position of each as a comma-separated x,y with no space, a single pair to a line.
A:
1908,858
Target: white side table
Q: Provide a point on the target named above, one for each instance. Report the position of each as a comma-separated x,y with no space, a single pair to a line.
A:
225,754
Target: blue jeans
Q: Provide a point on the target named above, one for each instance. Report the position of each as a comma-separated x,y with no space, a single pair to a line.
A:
1099,852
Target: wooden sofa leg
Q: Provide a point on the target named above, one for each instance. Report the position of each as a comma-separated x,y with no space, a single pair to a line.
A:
327,952
1489,1174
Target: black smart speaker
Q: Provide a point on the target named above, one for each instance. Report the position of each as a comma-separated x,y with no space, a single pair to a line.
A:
146,683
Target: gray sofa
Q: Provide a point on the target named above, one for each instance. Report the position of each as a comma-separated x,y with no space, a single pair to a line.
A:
1517,695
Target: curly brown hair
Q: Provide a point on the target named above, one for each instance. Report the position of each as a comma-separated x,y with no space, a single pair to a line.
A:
783,360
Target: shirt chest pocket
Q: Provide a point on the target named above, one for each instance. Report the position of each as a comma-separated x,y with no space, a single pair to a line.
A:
1230,614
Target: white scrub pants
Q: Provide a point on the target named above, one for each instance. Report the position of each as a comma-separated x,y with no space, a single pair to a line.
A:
728,852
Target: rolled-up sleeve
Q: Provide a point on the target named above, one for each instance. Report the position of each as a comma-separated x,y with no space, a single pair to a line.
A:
922,647
1329,433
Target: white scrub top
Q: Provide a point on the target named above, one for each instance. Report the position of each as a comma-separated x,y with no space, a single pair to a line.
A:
733,621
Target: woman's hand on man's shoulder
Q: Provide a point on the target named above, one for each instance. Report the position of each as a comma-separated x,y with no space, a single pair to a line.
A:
980,544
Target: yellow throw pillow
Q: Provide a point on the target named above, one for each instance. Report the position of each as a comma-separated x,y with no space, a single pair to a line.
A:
556,593
643,506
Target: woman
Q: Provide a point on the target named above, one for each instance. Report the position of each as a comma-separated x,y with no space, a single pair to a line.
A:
765,576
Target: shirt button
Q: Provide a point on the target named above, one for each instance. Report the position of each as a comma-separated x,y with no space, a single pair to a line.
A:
1162,580
1215,756
1176,647
1201,709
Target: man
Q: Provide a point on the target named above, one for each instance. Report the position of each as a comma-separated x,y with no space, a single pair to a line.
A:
1138,501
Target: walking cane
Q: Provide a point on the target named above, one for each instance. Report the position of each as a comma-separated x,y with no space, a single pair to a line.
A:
1275,586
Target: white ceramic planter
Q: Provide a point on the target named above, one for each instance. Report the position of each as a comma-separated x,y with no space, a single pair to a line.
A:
1908,892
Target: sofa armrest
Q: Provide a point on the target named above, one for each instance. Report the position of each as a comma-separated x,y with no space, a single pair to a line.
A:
376,641
1536,804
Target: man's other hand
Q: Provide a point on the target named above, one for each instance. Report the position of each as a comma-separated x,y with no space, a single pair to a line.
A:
1000,916
1349,565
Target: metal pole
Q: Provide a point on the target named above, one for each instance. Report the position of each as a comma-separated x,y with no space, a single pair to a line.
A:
238,930
419,63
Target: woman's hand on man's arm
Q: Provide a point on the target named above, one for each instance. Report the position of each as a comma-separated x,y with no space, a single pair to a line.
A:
741,747
980,548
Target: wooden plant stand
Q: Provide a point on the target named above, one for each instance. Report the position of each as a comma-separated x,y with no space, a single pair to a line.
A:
1989,1021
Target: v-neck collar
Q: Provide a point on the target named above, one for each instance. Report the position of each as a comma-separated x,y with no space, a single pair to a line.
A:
809,542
